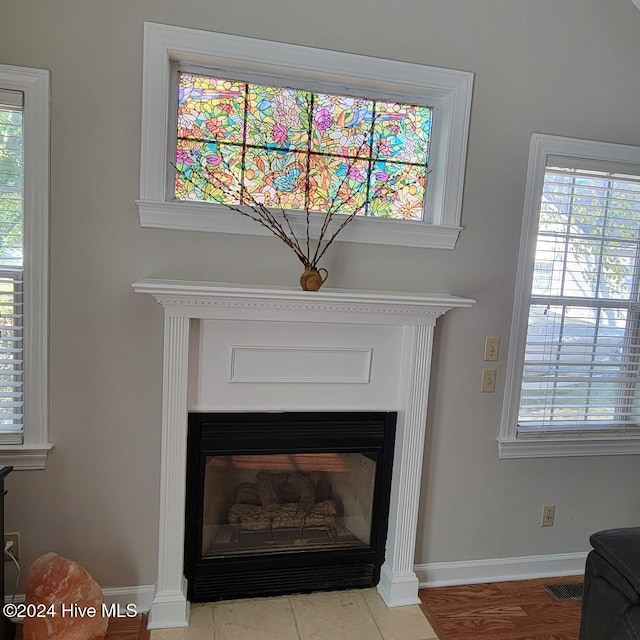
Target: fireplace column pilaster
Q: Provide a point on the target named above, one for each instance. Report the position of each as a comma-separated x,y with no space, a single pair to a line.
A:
398,581
170,607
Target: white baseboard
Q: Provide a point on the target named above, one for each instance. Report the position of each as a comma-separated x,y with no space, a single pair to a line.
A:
439,574
433,574
140,596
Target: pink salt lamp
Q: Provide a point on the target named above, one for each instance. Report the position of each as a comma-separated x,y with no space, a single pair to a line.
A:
67,602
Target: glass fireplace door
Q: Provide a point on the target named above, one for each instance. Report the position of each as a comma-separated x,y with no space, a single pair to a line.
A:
286,502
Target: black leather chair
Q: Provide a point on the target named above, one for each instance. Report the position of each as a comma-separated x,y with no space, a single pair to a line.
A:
611,600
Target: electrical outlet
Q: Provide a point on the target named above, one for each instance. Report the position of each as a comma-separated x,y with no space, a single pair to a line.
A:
548,515
491,349
488,380
14,538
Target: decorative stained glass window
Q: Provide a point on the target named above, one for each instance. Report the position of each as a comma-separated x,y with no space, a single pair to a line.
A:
294,149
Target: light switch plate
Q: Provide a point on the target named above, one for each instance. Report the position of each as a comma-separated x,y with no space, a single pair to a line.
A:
491,348
488,380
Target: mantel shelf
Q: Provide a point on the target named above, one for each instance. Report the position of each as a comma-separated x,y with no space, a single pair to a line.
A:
215,300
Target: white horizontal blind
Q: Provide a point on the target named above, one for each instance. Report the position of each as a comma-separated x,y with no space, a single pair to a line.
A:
582,353
11,267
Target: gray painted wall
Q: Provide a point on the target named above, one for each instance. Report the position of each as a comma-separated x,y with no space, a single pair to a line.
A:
566,67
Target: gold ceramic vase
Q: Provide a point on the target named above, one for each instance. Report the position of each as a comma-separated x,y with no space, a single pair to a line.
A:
312,278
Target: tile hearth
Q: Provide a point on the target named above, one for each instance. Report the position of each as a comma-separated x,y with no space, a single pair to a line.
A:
336,615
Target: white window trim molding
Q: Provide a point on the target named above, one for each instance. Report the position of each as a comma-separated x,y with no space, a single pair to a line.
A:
34,84
448,91
510,444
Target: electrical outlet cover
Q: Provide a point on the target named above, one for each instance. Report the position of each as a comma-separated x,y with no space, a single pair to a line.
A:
15,538
548,515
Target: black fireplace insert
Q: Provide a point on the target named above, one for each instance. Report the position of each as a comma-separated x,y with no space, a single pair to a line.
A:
288,502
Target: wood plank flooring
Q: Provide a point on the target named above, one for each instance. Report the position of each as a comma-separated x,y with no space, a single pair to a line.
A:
120,629
128,629
520,610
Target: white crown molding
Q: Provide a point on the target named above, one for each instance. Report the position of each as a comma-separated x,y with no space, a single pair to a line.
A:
213,299
636,2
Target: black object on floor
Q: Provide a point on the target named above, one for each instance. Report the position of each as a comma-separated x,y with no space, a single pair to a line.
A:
611,602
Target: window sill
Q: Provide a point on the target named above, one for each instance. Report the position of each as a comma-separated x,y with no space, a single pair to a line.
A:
193,216
25,457
566,447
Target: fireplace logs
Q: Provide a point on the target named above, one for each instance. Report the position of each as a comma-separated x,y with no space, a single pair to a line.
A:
283,501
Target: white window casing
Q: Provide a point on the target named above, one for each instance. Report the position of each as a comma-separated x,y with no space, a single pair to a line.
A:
447,91
594,434
33,84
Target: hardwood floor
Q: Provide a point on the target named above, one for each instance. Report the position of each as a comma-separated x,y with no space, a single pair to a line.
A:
121,629
520,610
128,629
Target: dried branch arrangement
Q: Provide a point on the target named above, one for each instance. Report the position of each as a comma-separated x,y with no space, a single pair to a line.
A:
307,249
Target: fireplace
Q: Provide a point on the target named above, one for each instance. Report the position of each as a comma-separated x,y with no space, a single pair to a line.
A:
236,348
286,502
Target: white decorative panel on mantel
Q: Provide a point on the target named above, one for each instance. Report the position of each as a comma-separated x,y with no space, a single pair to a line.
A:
300,365
286,366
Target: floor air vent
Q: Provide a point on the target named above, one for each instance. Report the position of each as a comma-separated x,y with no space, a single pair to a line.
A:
566,591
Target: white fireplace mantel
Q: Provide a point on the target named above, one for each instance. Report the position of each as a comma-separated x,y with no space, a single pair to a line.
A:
206,326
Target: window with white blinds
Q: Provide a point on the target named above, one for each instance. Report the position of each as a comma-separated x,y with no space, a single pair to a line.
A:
24,266
572,384
582,352
11,266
